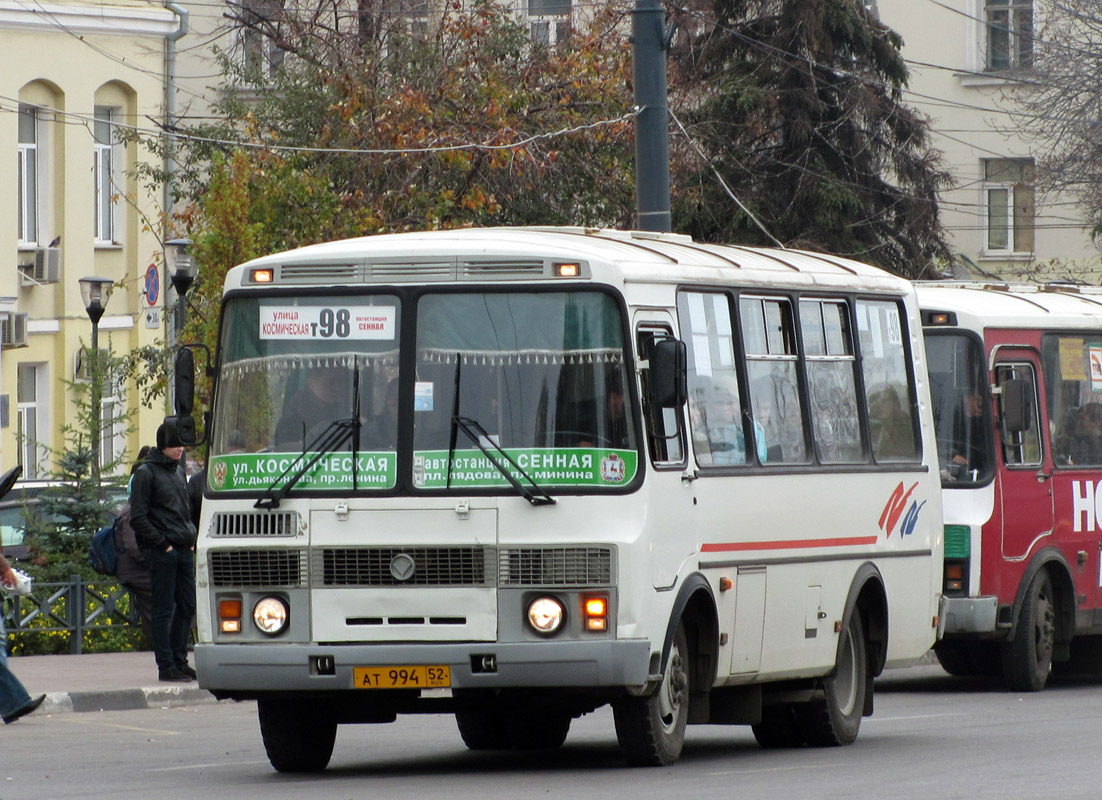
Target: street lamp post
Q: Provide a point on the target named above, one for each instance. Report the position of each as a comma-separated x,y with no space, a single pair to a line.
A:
94,292
183,274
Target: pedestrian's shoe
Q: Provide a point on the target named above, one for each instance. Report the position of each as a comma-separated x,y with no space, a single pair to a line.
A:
25,710
174,675
187,670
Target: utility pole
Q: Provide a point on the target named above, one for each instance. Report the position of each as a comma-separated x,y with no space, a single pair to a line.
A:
652,151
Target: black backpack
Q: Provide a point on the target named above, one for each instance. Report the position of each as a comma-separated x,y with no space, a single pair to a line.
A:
101,551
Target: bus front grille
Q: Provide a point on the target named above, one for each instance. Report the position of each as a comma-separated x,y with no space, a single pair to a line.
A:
273,523
402,566
255,567
555,566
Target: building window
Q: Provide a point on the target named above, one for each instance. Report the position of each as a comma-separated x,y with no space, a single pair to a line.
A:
549,20
1009,205
103,174
1009,34
31,393
259,56
28,175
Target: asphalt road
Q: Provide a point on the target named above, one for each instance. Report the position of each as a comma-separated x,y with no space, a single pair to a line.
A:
932,736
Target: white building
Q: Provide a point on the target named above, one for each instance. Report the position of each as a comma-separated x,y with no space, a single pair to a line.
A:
970,62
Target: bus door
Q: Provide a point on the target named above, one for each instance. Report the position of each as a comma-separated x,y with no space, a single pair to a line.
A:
1025,471
672,517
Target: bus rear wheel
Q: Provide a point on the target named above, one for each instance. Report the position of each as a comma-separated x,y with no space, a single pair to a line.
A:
298,737
651,730
835,718
537,731
779,728
1027,659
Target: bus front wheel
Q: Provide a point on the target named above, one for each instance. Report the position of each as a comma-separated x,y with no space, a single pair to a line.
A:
651,730
298,737
1028,657
835,718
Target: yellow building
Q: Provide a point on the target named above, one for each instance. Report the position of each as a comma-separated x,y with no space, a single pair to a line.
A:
72,76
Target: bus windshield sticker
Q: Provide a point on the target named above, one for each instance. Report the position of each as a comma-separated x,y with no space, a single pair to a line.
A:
556,466
328,323
422,396
374,470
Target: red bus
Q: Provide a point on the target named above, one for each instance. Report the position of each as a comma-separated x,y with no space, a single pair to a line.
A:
1016,386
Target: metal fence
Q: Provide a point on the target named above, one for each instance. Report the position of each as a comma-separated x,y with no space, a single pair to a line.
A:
72,607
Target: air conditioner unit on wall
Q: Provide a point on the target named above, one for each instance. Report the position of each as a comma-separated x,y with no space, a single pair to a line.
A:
45,268
13,330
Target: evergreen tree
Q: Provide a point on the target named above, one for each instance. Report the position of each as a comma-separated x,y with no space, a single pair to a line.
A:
797,104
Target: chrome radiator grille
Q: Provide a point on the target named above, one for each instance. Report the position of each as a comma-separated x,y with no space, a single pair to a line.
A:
429,566
555,566
258,567
274,523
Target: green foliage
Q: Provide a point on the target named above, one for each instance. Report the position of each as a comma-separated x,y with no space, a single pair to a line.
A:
798,105
83,498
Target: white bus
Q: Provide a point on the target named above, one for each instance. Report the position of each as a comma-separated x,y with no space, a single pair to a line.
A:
515,475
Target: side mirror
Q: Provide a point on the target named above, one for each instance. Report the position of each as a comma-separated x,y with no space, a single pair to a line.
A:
668,382
1015,405
185,384
180,430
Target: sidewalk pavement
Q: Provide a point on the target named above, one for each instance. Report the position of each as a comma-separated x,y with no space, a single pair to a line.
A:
101,682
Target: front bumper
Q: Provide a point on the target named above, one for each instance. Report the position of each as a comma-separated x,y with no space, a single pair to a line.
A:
249,668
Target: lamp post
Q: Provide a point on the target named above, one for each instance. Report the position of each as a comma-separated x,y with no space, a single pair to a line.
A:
183,274
94,292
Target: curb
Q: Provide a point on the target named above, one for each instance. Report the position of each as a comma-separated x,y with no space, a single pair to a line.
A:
123,700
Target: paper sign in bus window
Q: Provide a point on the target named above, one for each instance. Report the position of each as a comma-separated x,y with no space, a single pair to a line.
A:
422,396
1095,354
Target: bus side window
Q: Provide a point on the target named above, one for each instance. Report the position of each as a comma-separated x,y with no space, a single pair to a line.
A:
1021,448
665,436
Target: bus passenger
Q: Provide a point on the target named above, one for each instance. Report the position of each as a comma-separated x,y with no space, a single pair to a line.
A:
311,410
1086,441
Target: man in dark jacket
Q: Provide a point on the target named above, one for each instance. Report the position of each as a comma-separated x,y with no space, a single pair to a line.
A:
161,518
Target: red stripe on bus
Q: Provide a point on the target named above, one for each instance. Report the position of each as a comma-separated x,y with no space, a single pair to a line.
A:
719,547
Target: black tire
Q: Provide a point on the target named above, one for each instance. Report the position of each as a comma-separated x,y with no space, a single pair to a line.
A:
482,729
1027,659
537,731
835,719
968,659
651,730
297,736
779,728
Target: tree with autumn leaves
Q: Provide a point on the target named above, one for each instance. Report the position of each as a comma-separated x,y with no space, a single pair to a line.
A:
787,127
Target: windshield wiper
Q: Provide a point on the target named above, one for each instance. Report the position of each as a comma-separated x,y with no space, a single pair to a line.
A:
333,437
477,434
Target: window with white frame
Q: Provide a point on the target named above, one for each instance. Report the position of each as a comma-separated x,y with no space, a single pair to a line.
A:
259,56
549,21
1009,34
112,424
31,393
1009,205
28,175
103,132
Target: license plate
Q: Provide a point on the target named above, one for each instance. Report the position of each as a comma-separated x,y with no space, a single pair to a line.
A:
419,677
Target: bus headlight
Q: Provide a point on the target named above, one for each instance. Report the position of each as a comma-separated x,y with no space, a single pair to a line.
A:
270,615
545,615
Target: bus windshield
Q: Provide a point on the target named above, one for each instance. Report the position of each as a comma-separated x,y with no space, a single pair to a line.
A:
315,382
962,414
542,373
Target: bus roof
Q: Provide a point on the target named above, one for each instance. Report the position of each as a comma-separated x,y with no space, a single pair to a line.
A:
978,305
510,254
